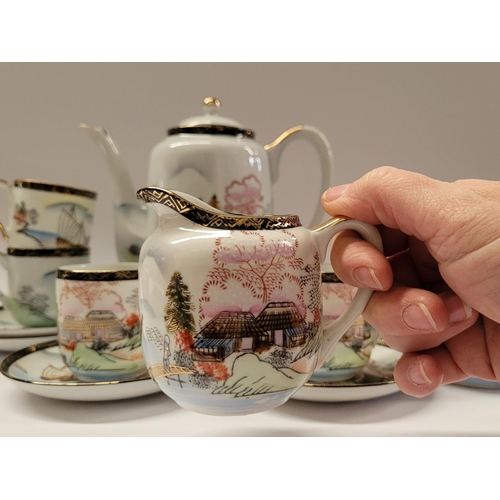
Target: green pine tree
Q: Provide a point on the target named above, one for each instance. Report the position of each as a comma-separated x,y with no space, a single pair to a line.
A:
178,313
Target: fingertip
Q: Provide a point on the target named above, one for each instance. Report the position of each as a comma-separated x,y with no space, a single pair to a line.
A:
359,264
366,277
334,192
418,375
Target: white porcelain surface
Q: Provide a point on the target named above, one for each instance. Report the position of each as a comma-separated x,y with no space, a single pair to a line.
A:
375,381
235,174
354,349
30,294
39,369
231,305
99,321
41,216
213,158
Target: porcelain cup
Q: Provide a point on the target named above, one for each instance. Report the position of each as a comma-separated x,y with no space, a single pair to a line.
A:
99,328
31,280
46,215
352,353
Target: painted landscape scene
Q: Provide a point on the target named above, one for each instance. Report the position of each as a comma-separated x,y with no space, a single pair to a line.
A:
265,350
103,343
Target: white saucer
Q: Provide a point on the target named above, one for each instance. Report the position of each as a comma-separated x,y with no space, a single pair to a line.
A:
479,383
39,369
10,328
375,380
16,342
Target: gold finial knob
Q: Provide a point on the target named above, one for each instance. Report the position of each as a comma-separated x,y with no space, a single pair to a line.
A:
211,101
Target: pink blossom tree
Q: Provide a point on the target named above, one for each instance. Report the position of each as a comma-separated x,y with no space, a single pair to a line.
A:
89,292
260,264
245,196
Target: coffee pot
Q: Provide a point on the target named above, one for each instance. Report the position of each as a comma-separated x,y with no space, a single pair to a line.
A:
214,158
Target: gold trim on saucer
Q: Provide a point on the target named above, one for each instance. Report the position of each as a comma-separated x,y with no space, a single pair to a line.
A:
363,382
12,358
54,188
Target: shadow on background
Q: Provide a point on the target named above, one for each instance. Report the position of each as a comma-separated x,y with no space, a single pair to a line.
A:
369,411
93,412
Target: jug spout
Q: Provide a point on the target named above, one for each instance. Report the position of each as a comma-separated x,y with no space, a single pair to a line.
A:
132,222
181,206
185,206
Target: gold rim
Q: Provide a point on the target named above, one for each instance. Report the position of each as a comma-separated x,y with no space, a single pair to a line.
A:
54,188
208,218
342,384
12,358
103,273
48,252
212,130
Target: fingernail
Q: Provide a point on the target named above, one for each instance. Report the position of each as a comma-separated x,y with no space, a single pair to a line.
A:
366,278
335,192
417,317
458,309
417,375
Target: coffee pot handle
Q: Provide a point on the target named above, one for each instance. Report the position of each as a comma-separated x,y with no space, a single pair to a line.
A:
320,144
3,229
323,235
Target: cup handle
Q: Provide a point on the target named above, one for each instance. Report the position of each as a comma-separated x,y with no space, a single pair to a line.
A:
323,235
4,230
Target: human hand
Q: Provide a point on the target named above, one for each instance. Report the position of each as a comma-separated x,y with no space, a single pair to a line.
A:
437,296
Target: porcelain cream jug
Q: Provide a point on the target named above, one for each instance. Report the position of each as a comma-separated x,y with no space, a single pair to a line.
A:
231,306
214,158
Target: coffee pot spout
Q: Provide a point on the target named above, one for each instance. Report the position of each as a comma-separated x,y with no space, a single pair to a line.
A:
123,186
132,224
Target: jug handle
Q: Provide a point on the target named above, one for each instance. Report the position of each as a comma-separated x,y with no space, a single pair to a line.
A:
323,235
320,144
3,229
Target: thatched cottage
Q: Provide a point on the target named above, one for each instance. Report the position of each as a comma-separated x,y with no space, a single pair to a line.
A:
280,323
97,325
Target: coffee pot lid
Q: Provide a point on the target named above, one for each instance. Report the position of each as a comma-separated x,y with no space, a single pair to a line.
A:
211,123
